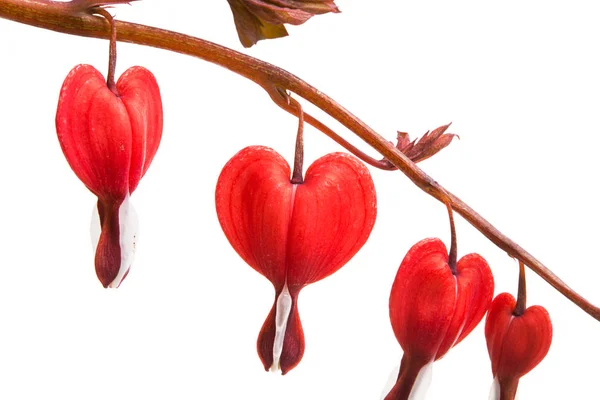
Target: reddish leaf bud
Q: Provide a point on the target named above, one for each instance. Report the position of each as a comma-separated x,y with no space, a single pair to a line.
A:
109,142
432,310
263,19
427,145
516,343
293,234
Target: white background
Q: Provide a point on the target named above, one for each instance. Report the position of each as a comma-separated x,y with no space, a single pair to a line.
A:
518,80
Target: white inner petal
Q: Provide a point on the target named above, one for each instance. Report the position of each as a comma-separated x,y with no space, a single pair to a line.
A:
495,390
392,379
422,383
95,227
128,232
282,313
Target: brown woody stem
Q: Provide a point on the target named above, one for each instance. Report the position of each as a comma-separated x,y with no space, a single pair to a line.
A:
522,292
286,106
65,18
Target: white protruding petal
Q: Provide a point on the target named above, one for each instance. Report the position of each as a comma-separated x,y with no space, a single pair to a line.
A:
95,228
495,390
128,229
420,387
422,383
282,313
390,382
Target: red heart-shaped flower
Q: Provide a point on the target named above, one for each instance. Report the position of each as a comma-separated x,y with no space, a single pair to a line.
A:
109,141
516,343
293,234
431,309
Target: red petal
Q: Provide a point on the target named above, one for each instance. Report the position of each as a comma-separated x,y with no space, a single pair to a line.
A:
140,94
309,230
253,200
496,324
422,300
109,141
333,214
516,344
475,291
432,310
94,132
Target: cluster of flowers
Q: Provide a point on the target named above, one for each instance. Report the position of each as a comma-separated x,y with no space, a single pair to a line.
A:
293,233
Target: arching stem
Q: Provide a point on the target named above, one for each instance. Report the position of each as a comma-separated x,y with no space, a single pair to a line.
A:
64,17
287,106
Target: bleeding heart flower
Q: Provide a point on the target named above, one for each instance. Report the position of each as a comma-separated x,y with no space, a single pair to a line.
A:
433,309
293,234
516,343
263,19
109,141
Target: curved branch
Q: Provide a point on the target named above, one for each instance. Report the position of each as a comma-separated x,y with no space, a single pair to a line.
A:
71,19
280,98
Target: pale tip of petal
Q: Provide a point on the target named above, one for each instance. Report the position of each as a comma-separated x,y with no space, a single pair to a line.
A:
282,313
275,368
422,383
392,378
495,390
128,229
95,227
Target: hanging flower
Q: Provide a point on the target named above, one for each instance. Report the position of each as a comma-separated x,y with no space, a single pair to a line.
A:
517,342
293,234
433,307
109,137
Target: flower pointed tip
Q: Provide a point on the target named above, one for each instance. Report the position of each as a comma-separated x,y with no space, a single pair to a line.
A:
285,372
274,368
